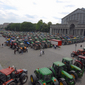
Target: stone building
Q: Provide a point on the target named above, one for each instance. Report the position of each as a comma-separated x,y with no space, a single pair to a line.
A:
72,24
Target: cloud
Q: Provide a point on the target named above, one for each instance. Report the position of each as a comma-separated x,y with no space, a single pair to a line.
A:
70,6
29,16
33,11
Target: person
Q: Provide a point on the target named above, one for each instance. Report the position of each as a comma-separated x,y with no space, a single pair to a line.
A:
55,46
2,45
43,51
27,49
22,51
15,51
40,52
80,45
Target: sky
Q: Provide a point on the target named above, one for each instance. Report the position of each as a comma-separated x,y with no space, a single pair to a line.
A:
18,11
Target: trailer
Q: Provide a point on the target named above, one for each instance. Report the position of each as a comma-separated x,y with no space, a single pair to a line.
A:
56,42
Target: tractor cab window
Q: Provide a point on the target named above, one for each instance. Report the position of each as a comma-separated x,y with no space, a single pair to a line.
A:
63,61
78,51
8,77
55,68
80,59
71,62
2,77
47,77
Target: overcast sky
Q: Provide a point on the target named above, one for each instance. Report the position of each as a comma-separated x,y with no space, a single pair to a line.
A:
18,11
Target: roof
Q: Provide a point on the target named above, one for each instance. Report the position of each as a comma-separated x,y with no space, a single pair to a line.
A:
45,71
7,71
80,56
66,58
80,49
58,63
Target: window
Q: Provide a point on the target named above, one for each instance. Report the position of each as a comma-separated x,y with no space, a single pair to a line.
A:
8,77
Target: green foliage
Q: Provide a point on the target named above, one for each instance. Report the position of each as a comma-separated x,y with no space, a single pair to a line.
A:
28,26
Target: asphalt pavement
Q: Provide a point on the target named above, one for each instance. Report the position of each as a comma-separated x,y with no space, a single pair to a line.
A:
31,60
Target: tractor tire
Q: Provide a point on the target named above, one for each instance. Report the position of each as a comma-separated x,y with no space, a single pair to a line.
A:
11,83
62,82
23,78
39,83
75,76
72,55
33,79
78,65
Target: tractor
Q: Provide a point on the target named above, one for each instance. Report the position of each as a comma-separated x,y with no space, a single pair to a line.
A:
21,47
80,62
63,77
43,76
75,71
78,52
36,45
13,44
11,76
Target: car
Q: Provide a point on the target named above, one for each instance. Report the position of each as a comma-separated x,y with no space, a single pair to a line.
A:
43,76
11,76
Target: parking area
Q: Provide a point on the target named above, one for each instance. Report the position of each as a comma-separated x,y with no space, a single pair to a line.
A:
31,59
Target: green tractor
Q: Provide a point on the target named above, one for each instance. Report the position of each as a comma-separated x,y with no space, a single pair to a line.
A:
72,69
63,77
43,76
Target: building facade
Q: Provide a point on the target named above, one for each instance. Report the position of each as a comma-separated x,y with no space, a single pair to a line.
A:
72,24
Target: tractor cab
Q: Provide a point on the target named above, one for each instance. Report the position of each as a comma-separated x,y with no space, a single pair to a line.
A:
6,75
78,52
69,66
11,76
80,62
58,67
81,58
43,76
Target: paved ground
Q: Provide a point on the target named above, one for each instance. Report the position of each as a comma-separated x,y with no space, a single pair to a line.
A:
31,59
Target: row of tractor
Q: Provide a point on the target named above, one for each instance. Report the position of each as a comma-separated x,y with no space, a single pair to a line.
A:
17,44
39,36
80,56
60,73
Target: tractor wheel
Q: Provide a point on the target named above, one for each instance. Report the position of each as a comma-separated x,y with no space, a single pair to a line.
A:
62,82
72,55
78,65
23,78
75,76
39,83
33,79
11,83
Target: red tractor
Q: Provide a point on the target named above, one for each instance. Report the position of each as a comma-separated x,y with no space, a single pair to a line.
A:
11,76
78,52
80,62
13,44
